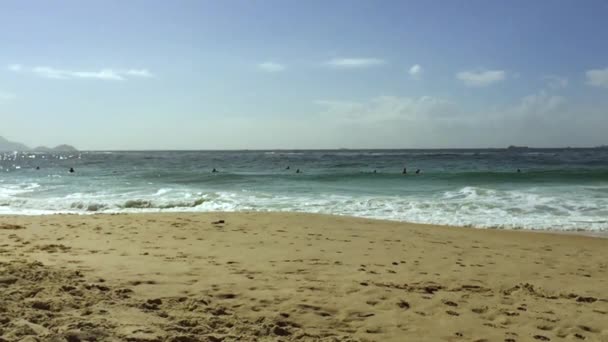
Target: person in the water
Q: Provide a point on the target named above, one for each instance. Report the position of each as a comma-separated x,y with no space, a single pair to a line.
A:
288,167
418,171
72,170
518,171
298,171
37,167
214,170
404,171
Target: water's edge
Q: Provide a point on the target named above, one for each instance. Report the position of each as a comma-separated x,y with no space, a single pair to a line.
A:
589,234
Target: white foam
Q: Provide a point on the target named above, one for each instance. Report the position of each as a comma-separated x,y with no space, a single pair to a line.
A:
567,208
12,190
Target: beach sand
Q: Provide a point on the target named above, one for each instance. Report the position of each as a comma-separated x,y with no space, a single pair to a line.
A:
294,277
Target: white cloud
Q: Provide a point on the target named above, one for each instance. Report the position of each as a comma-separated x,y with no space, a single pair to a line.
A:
597,77
538,119
433,109
103,74
354,63
481,78
556,82
385,108
271,67
15,67
139,73
415,71
541,103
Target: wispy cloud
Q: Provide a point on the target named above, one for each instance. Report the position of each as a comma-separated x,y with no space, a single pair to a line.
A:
271,67
597,77
434,121
15,67
385,109
64,74
355,63
481,78
139,73
104,74
392,109
415,71
540,103
556,82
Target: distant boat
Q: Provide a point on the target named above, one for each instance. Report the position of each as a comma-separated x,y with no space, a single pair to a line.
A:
517,148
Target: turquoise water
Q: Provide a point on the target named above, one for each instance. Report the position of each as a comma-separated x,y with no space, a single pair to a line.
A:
561,189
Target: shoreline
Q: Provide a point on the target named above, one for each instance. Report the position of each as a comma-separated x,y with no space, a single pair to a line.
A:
294,277
572,232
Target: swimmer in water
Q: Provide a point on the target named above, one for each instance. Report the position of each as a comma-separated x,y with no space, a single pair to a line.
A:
404,171
298,171
418,171
288,167
214,170
72,170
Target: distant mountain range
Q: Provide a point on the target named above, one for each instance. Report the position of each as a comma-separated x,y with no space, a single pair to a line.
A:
9,146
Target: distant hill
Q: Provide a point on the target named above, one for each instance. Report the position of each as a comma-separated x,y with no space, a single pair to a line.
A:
60,148
6,145
65,148
9,146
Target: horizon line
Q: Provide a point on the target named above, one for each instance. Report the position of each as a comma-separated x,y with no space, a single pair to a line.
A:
516,148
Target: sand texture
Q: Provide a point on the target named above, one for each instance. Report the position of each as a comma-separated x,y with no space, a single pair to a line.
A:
293,277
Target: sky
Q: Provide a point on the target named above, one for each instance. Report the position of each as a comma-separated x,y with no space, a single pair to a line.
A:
151,74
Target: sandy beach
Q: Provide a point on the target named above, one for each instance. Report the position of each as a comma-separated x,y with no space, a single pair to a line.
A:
293,277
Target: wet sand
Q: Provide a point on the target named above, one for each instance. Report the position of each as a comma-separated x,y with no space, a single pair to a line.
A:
294,277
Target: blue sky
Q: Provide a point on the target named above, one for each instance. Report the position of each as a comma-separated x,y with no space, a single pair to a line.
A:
303,74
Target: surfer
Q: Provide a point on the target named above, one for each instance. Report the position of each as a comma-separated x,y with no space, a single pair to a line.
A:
298,171
418,171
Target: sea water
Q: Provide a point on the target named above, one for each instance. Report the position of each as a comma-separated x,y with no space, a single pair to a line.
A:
559,189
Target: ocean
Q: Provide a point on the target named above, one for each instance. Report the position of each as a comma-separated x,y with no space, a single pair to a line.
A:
557,189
